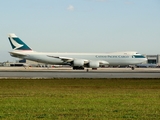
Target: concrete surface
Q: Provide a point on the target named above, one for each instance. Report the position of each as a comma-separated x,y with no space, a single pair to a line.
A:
21,72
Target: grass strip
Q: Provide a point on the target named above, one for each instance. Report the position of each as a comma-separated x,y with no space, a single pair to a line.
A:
87,99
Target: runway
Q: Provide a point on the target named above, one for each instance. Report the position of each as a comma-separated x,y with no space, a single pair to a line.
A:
20,72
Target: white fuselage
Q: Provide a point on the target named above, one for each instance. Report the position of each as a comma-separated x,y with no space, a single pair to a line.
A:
117,58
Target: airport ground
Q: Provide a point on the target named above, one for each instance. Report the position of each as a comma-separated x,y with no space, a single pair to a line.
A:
65,94
36,72
79,99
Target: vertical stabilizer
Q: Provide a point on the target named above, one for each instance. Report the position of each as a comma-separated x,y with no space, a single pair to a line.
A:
17,43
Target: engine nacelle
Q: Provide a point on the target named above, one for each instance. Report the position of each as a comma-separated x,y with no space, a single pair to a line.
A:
78,62
93,64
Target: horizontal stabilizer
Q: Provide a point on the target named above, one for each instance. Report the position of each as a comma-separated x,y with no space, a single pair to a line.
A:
17,54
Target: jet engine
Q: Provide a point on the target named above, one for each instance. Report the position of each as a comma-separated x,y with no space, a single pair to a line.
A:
93,64
78,62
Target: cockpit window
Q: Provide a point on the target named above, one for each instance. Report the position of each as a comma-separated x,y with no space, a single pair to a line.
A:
138,56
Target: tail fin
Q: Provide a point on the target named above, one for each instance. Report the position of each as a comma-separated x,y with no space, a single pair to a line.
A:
16,43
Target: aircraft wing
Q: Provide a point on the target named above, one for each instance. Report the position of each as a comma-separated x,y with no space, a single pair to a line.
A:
65,59
69,60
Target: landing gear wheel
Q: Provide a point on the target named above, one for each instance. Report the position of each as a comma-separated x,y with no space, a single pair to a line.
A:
78,68
132,68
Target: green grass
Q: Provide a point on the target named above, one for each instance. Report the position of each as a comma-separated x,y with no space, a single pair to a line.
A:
79,99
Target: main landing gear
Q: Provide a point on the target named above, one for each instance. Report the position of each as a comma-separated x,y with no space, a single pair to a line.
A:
78,68
132,67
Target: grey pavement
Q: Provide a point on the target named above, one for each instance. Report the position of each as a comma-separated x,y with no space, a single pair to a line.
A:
20,72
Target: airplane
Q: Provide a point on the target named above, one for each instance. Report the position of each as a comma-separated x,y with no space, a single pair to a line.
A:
76,60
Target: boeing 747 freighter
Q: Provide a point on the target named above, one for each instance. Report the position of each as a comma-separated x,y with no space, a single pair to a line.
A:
76,60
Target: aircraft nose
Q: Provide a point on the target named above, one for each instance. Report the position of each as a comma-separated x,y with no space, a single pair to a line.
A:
145,59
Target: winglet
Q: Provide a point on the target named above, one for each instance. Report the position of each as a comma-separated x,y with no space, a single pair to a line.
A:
17,43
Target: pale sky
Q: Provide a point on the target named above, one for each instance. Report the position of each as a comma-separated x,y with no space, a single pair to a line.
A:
81,25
